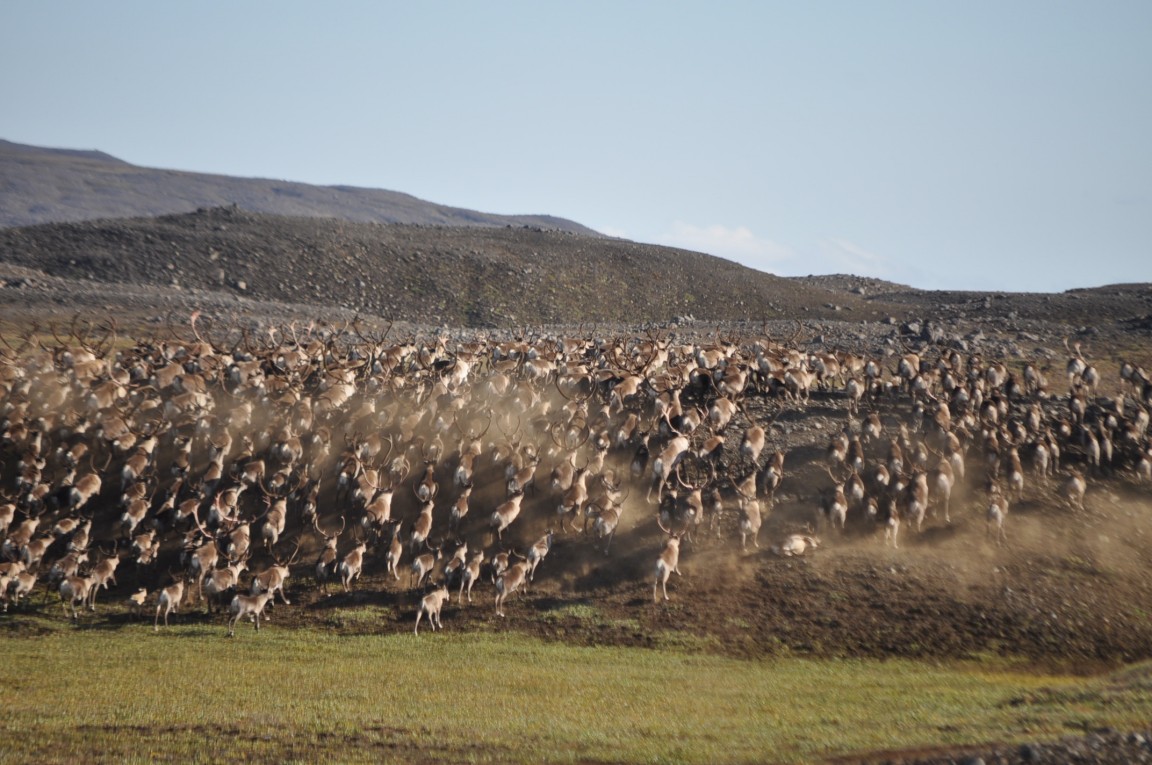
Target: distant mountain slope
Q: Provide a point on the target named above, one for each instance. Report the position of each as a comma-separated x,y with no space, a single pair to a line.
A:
430,274
39,185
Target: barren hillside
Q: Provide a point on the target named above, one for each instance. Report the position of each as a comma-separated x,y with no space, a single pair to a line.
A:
431,274
40,185
253,264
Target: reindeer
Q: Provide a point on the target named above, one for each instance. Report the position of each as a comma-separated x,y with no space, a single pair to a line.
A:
250,606
798,383
1041,456
275,518
79,494
667,563
836,453
74,591
505,514
769,478
7,515
133,516
721,412
426,488
538,552
907,369
665,464
872,429
499,564
168,601
469,450
1015,472
854,391
525,477
422,565
692,506
239,540
795,545
750,521
102,573
459,508
943,479
752,443
470,573
1035,382
135,466
996,513
508,581
606,523
136,601
33,552
421,528
1143,467
273,578
750,513
329,560
915,500
1074,489
572,504
1080,372
640,457
885,513
394,553
834,505
564,473
455,565
378,512
202,558
67,566
218,583
431,604
351,565
20,585
9,572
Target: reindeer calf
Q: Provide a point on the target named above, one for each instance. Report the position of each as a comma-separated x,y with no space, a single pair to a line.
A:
667,564
168,602
796,544
251,606
508,582
431,605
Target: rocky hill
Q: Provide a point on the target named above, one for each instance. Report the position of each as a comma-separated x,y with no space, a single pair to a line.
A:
427,274
39,185
228,261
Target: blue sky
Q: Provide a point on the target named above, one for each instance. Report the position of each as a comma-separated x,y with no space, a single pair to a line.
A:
977,145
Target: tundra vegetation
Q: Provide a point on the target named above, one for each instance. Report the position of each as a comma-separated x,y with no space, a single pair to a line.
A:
349,699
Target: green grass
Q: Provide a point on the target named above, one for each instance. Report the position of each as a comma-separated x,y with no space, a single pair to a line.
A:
579,611
364,616
190,694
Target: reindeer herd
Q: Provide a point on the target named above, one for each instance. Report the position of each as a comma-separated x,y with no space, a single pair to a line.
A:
208,461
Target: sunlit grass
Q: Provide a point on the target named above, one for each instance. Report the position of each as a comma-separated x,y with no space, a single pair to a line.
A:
362,616
189,693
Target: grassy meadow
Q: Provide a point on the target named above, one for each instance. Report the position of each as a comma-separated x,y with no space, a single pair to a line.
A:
188,694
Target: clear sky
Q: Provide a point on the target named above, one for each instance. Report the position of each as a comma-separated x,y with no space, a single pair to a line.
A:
975,144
